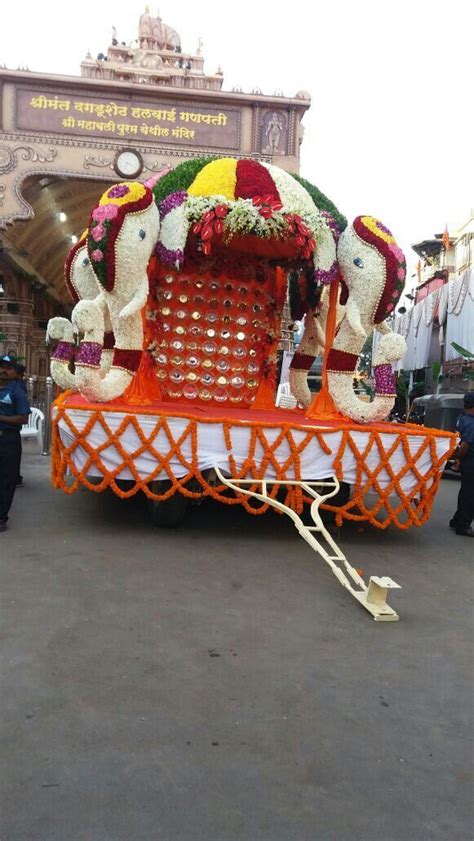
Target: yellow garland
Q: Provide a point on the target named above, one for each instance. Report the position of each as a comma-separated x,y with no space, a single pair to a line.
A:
371,223
136,191
219,178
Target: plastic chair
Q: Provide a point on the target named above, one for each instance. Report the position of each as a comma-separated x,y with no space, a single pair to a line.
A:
34,427
284,398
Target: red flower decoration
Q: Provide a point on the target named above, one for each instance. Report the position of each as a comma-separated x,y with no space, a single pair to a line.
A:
206,231
267,205
302,235
211,223
254,180
221,210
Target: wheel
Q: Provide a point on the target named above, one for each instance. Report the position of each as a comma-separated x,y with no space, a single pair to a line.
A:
342,497
171,512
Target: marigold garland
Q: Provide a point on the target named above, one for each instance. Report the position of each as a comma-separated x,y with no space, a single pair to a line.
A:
408,509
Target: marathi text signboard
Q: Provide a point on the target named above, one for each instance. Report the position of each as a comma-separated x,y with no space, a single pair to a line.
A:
127,119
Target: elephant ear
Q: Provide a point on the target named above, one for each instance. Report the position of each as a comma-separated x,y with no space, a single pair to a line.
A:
373,232
69,268
325,257
106,222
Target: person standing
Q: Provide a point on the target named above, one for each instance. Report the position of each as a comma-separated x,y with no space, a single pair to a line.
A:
20,379
20,375
464,454
14,411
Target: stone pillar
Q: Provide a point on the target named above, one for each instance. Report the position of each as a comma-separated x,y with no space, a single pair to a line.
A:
24,314
16,315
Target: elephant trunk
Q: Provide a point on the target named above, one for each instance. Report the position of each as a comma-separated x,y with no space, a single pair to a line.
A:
125,364
108,348
312,344
61,330
340,371
125,354
309,347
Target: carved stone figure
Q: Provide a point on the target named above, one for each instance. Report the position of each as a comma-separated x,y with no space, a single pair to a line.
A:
164,36
145,31
154,34
147,59
274,133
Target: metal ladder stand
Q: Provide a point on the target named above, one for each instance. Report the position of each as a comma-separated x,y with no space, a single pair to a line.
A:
372,597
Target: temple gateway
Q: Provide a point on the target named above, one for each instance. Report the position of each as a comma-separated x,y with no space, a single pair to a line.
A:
136,109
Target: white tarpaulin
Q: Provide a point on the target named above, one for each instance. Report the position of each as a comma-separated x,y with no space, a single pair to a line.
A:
460,308
213,449
454,305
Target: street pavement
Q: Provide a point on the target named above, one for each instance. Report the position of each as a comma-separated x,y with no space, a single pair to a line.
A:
216,683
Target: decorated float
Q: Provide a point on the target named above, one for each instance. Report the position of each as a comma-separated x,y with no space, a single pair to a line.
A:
179,286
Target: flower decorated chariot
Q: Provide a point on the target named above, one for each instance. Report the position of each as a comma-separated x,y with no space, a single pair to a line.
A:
179,286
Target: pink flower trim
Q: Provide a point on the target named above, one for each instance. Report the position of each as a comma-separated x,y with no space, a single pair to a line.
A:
105,211
98,232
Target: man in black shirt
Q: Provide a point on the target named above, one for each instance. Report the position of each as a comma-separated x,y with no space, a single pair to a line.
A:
464,453
20,379
14,411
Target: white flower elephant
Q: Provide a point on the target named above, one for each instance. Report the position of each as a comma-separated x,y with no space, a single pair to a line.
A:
123,231
81,283
373,270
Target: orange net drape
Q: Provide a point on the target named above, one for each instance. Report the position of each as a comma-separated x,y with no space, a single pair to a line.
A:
374,499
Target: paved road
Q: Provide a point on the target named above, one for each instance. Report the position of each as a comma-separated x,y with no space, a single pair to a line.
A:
217,684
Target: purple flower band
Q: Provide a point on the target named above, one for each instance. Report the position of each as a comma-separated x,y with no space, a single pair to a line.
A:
168,256
384,381
89,354
332,224
118,191
321,276
64,352
171,202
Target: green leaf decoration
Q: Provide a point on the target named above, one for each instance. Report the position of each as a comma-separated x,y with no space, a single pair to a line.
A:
436,371
180,178
462,350
321,201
